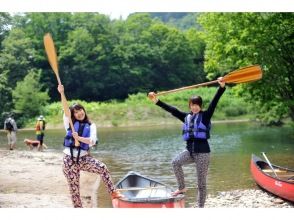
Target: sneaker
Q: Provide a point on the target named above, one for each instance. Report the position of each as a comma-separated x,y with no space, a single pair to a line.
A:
116,195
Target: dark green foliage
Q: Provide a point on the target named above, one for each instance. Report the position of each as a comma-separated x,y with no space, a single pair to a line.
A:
180,20
5,95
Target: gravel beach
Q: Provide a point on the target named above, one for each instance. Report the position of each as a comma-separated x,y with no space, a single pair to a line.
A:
250,198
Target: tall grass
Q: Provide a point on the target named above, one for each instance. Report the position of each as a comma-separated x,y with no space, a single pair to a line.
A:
139,110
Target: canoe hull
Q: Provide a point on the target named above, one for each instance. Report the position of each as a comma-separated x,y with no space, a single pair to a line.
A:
281,188
143,192
118,203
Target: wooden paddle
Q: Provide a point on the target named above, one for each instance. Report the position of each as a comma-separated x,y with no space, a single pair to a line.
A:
269,163
246,74
52,58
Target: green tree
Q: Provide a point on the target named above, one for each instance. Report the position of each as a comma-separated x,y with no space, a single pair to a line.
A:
17,56
35,25
5,22
234,40
100,59
180,20
15,59
28,97
85,57
5,95
155,56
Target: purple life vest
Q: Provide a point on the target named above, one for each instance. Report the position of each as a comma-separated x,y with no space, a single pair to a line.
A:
83,130
193,128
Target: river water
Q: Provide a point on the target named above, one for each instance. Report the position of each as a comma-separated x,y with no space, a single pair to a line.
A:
149,151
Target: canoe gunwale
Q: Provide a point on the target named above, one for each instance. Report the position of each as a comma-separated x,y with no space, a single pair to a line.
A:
153,200
256,159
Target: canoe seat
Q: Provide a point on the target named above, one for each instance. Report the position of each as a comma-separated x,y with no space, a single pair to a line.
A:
276,170
287,175
283,176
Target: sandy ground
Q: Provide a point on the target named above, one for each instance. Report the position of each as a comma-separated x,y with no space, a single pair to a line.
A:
31,179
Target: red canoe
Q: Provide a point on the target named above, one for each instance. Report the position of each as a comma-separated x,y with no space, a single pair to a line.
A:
143,192
282,185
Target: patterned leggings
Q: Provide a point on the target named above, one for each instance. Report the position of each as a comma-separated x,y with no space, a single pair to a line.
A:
201,161
87,163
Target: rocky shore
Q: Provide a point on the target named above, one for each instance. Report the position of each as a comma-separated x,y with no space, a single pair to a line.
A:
249,198
30,179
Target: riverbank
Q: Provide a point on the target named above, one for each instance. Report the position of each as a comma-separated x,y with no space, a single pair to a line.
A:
139,124
138,110
30,179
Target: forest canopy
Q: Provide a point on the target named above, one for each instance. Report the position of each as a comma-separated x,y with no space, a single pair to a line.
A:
102,59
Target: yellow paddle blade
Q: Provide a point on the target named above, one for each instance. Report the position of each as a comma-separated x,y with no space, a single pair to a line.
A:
246,74
51,54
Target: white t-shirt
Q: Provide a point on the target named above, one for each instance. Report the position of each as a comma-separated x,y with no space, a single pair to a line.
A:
93,138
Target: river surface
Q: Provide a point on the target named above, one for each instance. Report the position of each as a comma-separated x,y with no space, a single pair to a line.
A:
149,151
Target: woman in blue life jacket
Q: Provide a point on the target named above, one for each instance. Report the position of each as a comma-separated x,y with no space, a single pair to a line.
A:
196,134
78,158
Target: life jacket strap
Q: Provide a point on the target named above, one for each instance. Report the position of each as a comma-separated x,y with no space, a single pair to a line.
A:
80,132
71,153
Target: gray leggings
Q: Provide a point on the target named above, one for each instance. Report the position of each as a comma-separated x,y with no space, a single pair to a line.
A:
201,161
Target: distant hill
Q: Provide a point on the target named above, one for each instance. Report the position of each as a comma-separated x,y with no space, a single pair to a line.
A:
181,20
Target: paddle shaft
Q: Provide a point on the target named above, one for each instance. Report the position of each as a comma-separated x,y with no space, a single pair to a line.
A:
269,163
187,87
246,74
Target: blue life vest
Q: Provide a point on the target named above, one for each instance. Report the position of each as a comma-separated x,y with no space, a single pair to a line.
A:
194,128
83,130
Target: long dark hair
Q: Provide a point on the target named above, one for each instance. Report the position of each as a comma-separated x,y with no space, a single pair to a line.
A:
78,107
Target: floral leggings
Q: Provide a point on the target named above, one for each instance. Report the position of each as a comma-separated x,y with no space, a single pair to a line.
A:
87,163
201,161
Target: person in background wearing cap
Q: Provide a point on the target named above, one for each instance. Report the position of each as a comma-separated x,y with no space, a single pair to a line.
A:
196,133
11,128
40,129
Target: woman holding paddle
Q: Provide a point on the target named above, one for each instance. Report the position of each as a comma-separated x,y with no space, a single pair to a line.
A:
196,134
76,152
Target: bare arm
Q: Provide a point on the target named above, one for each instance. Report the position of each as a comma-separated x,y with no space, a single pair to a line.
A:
67,113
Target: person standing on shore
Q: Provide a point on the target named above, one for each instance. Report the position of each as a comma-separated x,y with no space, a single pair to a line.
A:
77,158
11,128
40,131
196,134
